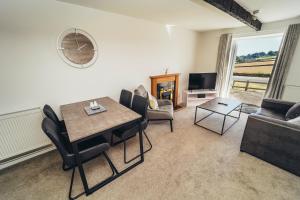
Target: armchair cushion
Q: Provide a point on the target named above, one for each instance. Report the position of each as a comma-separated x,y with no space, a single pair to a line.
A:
164,112
293,112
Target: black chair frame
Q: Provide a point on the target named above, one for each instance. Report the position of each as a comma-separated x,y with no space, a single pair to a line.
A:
139,105
51,129
125,146
113,169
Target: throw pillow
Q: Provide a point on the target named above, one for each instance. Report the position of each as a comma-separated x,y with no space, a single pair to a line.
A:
152,102
141,91
293,112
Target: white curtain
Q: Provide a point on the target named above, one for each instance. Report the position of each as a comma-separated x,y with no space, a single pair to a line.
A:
231,64
223,64
283,61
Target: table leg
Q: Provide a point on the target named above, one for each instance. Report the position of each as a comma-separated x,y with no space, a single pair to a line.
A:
141,142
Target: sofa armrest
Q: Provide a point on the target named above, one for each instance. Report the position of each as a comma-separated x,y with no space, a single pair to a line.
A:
164,102
272,122
277,105
272,140
268,134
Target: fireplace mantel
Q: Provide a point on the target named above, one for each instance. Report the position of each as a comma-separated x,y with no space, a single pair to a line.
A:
163,79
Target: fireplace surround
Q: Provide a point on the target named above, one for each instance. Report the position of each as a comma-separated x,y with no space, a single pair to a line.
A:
165,87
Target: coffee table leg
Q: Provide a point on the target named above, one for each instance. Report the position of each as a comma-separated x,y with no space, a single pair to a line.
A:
222,131
195,115
240,110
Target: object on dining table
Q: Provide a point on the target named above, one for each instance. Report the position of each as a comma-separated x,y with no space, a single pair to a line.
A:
94,105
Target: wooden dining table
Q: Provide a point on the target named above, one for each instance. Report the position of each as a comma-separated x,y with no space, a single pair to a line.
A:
81,126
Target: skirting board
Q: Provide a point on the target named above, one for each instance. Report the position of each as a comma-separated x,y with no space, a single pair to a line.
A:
25,157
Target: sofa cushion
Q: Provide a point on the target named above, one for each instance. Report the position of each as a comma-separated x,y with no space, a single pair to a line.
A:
293,112
141,91
270,113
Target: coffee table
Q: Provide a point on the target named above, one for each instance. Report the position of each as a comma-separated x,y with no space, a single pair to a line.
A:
222,106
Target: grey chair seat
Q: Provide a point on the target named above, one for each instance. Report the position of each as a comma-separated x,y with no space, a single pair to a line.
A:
129,130
164,112
270,113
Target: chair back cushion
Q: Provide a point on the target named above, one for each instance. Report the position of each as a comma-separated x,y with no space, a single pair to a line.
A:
293,112
140,105
125,98
52,131
49,112
141,91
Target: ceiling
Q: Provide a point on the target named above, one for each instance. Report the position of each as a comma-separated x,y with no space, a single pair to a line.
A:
193,14
272,10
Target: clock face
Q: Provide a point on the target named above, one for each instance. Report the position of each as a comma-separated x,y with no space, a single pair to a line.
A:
77,48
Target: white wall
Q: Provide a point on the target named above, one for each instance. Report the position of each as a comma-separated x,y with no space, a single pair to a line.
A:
207,50
130,50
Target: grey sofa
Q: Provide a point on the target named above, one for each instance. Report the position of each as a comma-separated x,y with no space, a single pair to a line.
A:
165,111
271,137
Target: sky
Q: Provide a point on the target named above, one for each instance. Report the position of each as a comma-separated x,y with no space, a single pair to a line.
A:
258,44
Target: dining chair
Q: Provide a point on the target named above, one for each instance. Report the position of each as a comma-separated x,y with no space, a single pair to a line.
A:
87,150
49,112
139,105
125,98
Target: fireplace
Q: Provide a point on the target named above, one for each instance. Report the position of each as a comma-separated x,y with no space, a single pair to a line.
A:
166,90
165,87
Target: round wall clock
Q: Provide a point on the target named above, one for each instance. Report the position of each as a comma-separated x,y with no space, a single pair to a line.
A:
77,48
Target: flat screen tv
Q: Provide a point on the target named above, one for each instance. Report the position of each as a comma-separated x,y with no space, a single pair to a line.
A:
202,81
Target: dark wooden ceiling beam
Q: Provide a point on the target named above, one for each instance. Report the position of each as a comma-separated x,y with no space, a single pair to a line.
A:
237,11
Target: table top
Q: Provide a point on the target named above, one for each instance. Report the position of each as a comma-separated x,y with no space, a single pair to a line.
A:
80,125
213,105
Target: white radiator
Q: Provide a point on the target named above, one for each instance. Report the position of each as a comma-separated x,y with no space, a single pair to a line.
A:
21,136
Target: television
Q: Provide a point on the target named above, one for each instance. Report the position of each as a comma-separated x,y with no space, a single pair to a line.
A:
202,81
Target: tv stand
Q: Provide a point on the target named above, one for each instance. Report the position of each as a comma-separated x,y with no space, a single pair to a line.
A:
196,97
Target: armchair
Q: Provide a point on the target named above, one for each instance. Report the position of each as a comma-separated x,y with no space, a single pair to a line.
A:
164,112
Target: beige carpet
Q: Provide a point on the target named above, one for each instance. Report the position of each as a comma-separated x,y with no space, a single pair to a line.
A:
190,163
